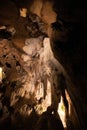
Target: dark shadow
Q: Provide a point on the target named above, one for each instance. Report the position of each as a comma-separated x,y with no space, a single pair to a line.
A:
49,121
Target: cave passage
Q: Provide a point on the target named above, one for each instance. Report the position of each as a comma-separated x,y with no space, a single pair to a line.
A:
34,87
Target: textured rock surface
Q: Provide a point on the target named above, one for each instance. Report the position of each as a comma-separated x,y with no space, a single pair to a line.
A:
28,85
67,31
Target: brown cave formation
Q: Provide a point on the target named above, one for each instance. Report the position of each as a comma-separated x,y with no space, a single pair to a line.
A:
43,65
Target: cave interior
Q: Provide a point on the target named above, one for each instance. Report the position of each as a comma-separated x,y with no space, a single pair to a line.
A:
43,65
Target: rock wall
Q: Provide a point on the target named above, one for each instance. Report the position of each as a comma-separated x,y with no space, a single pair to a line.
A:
65,23
69,40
